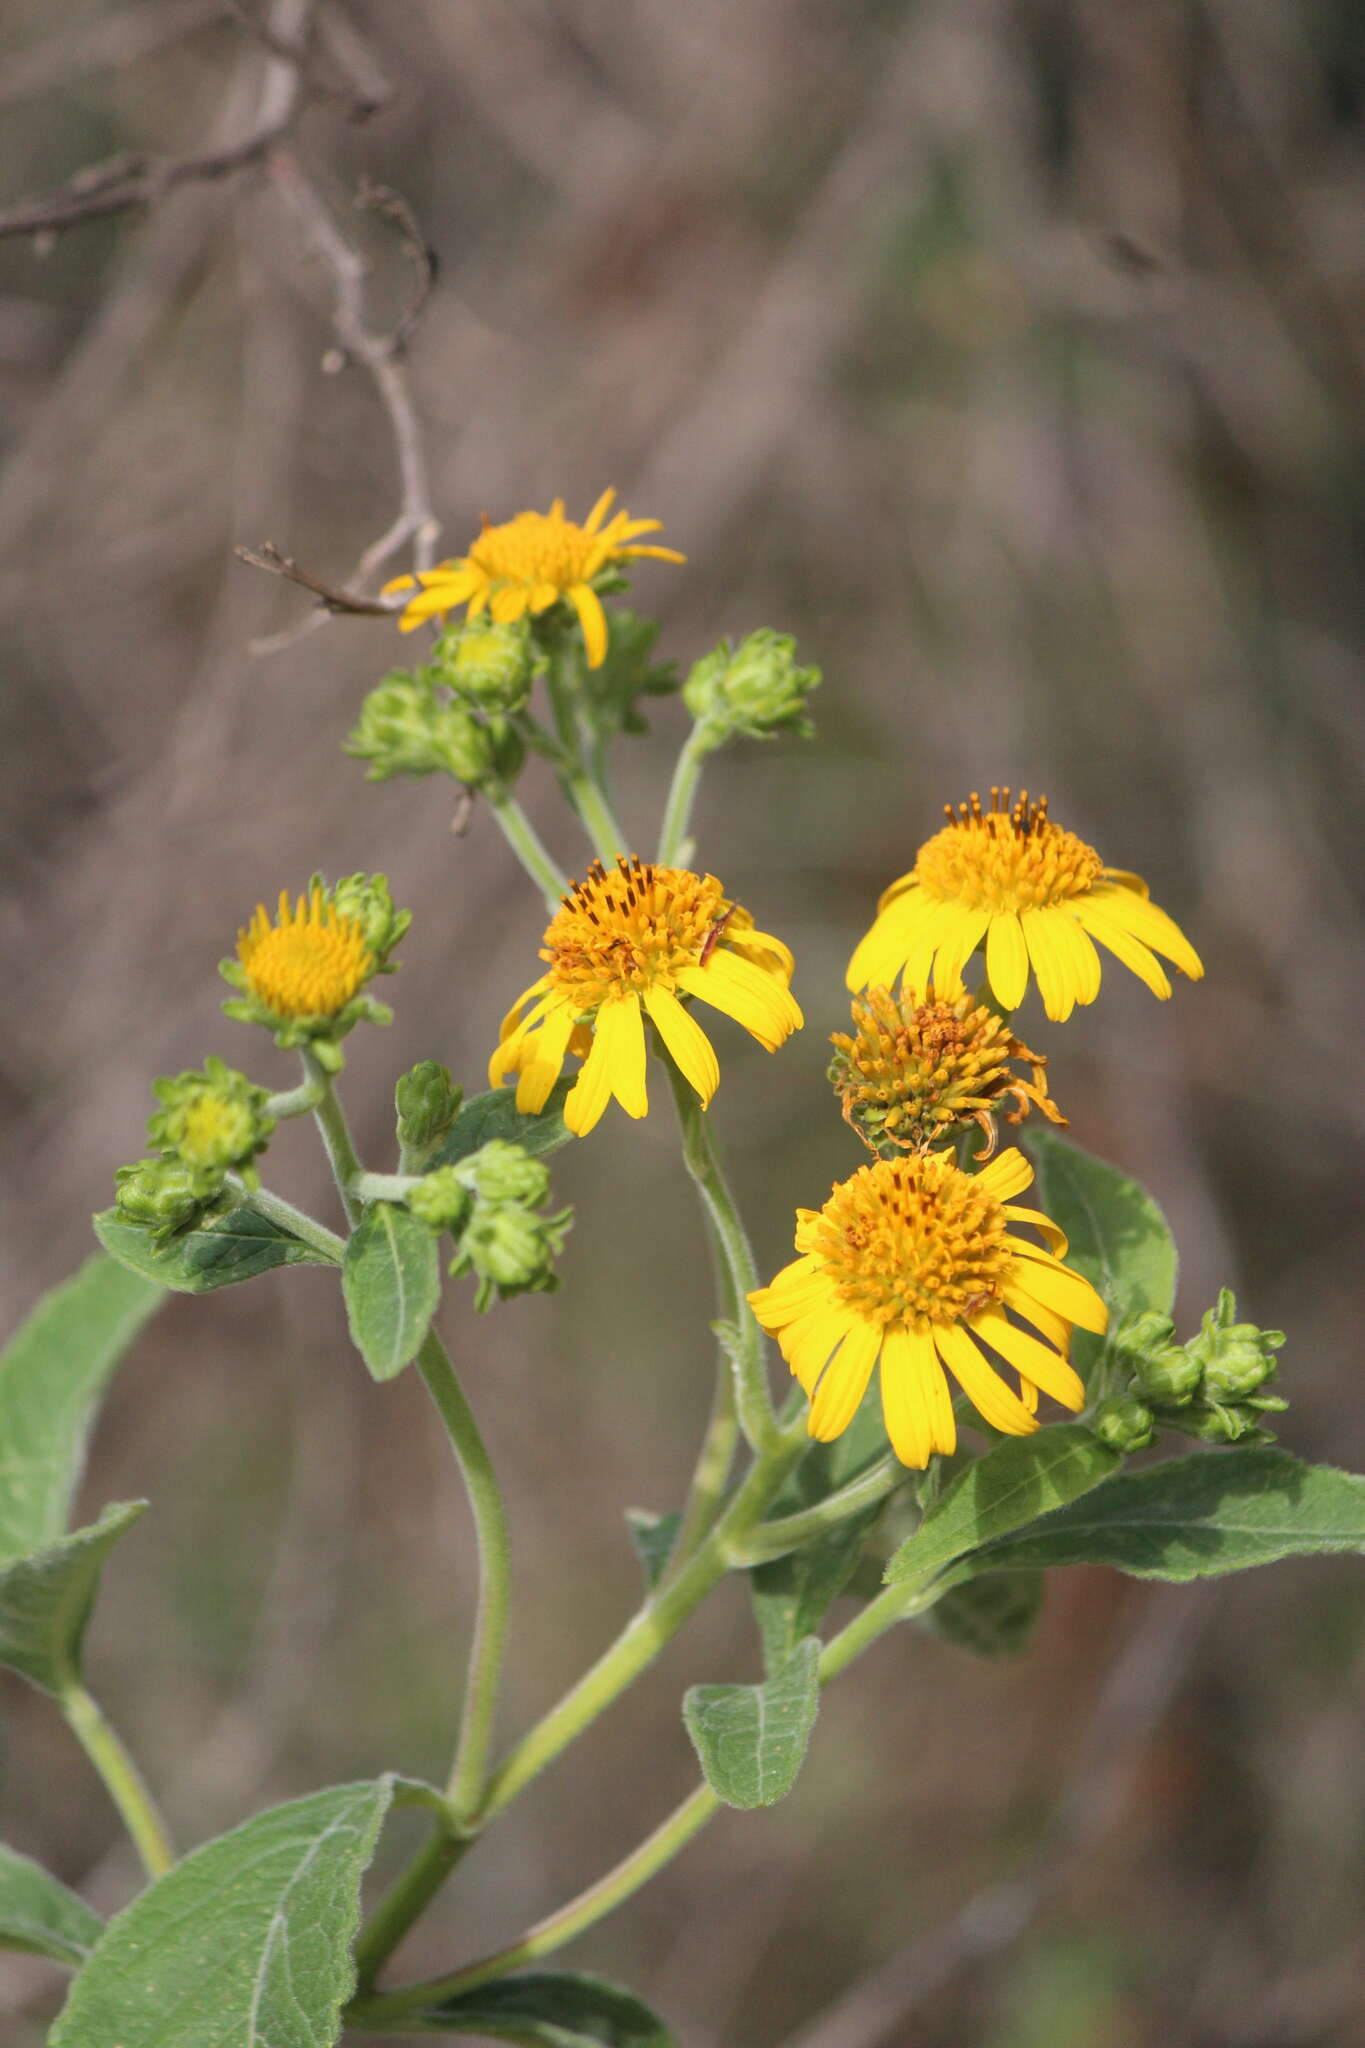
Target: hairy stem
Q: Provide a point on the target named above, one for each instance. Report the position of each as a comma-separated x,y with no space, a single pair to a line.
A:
295,1221
336,1136
407,1898
789,1532
525,842
122,1779
674,845
564,681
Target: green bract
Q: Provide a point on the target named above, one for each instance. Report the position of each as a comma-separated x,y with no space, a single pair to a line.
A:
757,689
427,1102
489,665
368,901
165,1195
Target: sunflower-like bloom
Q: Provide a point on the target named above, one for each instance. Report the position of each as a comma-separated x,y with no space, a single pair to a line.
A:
629,943
914,1070
1036,895
311,962
532,562
914,1262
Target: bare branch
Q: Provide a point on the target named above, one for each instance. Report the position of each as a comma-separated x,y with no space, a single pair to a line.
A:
333,600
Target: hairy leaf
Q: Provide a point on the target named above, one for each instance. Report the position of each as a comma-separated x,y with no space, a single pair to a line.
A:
495,1115
46,1597
239,1246
41,1916
245,1944
993,1615
751,1739
549,2010
391,1279
1118,1237
1011,1486
52,1374
792,1594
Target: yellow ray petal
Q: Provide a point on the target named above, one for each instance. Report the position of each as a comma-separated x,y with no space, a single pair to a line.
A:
591,1092
1145,921
792,1294
1075,949
658,554
895,889
955,949
1007,959
514,1017
844,1382
1035,1361
1125,880
620,1029
509,603
1007,1175
1125,948
1055,1236
686,1041
543,1059
992,1399
748,942
599,510
1055,980
1059,1288
807,1344
740,990
592,619
916,1406
1056,1329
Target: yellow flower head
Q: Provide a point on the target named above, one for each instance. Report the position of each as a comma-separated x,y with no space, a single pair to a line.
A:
529,563
913,1071
1035,894
630,942
310,963
914,1262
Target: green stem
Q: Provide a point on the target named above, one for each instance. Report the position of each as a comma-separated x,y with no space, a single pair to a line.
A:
122,1780
384,1187
558,1928
789,1532
645,1634
407,1898
752,1393
564,682
293,1101
295,1221
525,842
711,1474
336,1136
674,846
470,1769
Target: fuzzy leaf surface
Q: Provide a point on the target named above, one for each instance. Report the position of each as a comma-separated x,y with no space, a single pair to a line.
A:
52,1374
993,1615
1010,1486
391,1278
239,1246
1118,1236
1197,1517
46,1597
494,1114
751,1739
549,2009
792,1594
245,1944
40,1916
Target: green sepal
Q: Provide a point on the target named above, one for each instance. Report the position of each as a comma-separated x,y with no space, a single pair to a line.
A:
751,1740
217,1252
46,1598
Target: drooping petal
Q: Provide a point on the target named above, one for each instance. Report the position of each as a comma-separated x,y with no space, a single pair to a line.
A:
592,619
509,603
1007,959
1141,917
1075,949
880,953
543,1059
740,990
955,949
993,1401
1035,1361
621,1030
895,889
1056,1237
1056,982
792,1293
1059,1288
686,1041
1054,1328
1007,1175
916,1406
844,1382
807,1344
1125,948
760,947
591,1092
658,554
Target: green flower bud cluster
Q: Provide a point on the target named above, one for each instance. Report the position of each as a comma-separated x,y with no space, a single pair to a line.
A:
453,716
491,1204
628,672
1212,1388
757,689
368,901
427,1102
210,1123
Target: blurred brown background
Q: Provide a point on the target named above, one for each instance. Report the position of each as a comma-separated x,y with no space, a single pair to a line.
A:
1010,356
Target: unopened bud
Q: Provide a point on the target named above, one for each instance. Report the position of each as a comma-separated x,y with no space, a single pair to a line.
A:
368,901
487,664
1235,1358
1123,1424
212,1120
504,1172
427,1102
442,1200
757,688
1168,1377
164,1195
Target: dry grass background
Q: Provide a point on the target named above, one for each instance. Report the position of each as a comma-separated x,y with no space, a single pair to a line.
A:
1010,355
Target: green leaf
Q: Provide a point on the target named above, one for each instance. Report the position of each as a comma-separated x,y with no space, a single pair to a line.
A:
993,1615
46,1597
1118,1237
653,1537
247,1941
792,1594
41,1916
391,1279
1014,1483
751,1739
548,2010
1196,1517
238,1246
494,1114
52,1374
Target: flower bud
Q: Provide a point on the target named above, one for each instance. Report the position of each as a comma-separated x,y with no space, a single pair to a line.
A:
511,1249
406,729
442,1200
503,1172
427,1102
164,1195
1235,1358
1168,1377
367,901
1217,1422
212,1121
487,664
1141,1334
1123,1424
757,688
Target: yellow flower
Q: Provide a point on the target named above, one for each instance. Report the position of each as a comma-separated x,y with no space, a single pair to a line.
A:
1035,894
913,1071
913,1262
529,563
627,944
311,963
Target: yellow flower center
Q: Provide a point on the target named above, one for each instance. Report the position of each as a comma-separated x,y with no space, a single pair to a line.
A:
209,1125
909,1071
631,927
911,1240
308,964
539,547
1006,858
